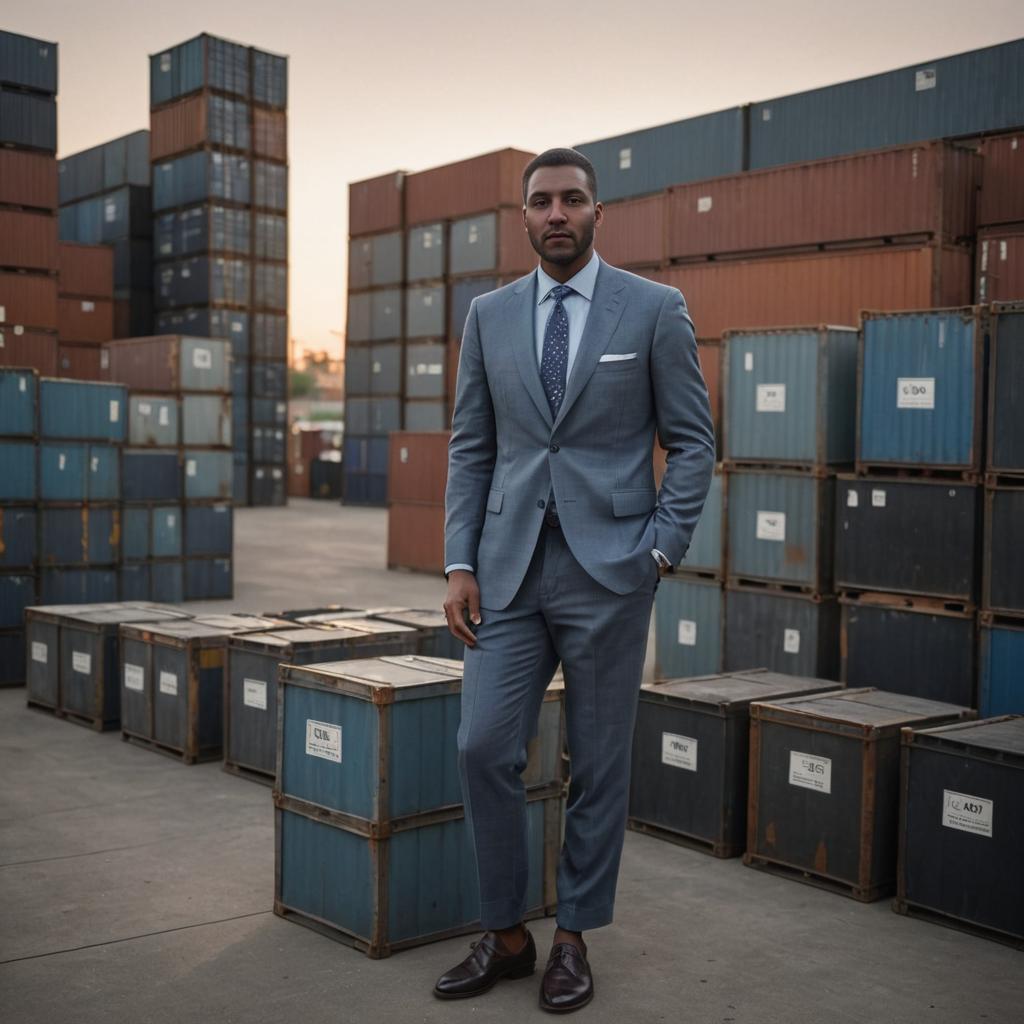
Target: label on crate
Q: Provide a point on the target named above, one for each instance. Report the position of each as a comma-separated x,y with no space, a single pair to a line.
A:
104,360
110,212
254,694
164,416
94,464
169,684
403,454
877,498
171,519
145,408
236,327
687,633
39,652
771,526
810,772
679,751
115,410
915,393
748,362
134,677
165,62
852,499
88,307
703,204
428,299
61,461
474,234
967,813
81,662
771,397
190,467
323,740
925,79
202,359
791,641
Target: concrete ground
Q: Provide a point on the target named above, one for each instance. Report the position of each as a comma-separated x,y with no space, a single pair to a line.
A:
136,889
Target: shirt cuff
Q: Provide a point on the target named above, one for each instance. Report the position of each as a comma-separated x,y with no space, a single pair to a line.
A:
660,558
458,565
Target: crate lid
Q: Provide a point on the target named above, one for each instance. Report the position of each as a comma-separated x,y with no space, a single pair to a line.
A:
419,618
1003,735
121,614
735,689
200,628
868,707
367,626
380,680
327,611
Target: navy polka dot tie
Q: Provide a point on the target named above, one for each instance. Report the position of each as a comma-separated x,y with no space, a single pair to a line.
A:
554,358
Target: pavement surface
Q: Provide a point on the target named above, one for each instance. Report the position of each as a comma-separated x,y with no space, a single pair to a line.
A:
134,888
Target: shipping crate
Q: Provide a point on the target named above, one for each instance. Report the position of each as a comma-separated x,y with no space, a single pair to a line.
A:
1000,665
689,619
690,768
435,638
823,806
962,827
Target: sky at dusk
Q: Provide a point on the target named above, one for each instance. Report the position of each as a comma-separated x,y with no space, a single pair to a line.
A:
409,85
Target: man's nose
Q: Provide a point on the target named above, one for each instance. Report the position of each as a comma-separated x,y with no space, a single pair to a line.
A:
556,215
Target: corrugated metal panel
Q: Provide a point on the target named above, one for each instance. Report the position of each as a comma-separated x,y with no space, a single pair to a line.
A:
270,133
462,295
28,62
375,204
225,324
80,361
632,233
19,401
386,259
921,386
418,467
268,486
1005,396
365,488
28,120
1002,199
269,286
191,122
202,61
269,78
790,396
1000,689
85,320
373,416
71,471
199,280
650,160
705,551
122,213
270,236
17,592
28,240
689,617
385,314
270,186
203,228
425,312
150,474
926,190
1000,265
82,410
365,454
967,94
209,530
126,160
1003,559
85,270
424,371
209,579
28,300
415,536
203,175
77,586
18,537
28,179
426,416
32,349
828,288
425,259
171,363
781,528
270,336
206,420
208,474
84,535
18,481
153,420
494,242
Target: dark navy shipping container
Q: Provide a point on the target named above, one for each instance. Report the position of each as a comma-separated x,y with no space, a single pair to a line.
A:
18,481
28,120
270,186
82,410
18,539
270,286
19,398
151,531
365,488
1006,396
81,535
149,475
200,280
270,336
122,161
209,530
17,592
202,228
153,581
268,445
269,79
204,62
27,62
199,176
270,236
463,293
365,454
123,213
1003,557
70,471
228,324
208,579
13,668
268,485
77,586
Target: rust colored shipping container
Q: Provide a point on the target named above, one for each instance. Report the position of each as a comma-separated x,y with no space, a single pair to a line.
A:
86,271
418,467
29,348
28,179
826,288
28,240
1000,260
85,320
416,537
270,133
515,254
466,186
28,300
81,362
375,204
927,192
633,232
1002,180
298,467
178,128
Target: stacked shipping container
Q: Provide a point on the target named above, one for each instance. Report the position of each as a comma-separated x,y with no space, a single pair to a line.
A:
85,311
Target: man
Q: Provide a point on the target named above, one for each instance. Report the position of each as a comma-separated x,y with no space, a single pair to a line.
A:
554,542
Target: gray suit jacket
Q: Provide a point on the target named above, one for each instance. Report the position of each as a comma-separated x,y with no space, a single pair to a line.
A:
506,456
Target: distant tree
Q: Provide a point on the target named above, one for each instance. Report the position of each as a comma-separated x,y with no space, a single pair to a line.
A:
301,384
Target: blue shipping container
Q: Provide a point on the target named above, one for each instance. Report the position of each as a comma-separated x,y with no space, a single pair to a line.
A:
688,619
70,471
83,410
149,475
208,579
226,324
208,474
78,586
123,213
204,61
704,554
200,280
17,592
270,186
270,236
270,336
209,530
199,176
18,547
27,62
19,397
462,295
83,535
29,120
123,161
203,228
151,532
1001,679
269,79
270,286
18,481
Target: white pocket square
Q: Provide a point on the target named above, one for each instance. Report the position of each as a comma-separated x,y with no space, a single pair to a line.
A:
617,357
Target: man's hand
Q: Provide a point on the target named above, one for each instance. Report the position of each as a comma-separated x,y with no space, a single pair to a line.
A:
463,594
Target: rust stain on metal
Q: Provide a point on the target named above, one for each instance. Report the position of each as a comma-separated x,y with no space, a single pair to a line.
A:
795,554
769,833
821,858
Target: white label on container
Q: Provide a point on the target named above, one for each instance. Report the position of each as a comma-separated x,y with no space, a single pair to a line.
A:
39,652
276,473
186,272
115,410
925,79
703,204
748,362
81,662
171,519
967,813
915,393
282,408
254,694
434,369
679,751
625,158
852,499
169,684
236,327
428,240
403,454
771,397
190,467
165,62
687,633
877,498
87,306
771,526
164,416
19,329
145,408
791,641
202,359
61,461
3,312
1002,251
810,772
474,234
134,677
428,299
766,114
166,248
94,464
22,383
323,740
110,212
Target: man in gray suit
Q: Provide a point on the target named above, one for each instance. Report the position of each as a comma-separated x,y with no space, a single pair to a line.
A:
555,538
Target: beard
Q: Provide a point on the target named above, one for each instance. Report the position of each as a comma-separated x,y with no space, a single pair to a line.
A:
563,256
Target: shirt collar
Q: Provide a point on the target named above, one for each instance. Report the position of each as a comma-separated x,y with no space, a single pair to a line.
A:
582,283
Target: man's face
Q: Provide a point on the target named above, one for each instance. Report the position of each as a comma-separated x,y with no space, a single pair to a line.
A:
560,213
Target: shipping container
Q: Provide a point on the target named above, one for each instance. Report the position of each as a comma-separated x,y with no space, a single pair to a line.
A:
415,536
375,204
85,270
268,485
364,488
375,370
19,403
269,185
365,454
208,474
209,530
689,621
425,316
926,192
1000,655
30,349
151,531
690,756
373,416
463,292
426,416
269,78
434,638
270,236
122,161
1001,200
206,420
80,472
85,320
193,122
28,63
151,474
962,794
417,467
268,445
824,786
709,354
28,300
204,62
209,579
919,519
269,286
203,228
28,179
425,253
162,580
28,240
202,280
270,336
966,94
153,420
791,633
28,119
19,546
80,361
79,535
491,243
82,410
19,481
919,646
921,389
13,669
270,134
1003,555
17,592
230,325
633,232
204,175
69,585
1005,446
116,215
705,555
171,363
325,478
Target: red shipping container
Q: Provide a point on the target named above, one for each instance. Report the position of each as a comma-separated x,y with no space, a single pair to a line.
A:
178,128
467,186
516,256
825,288
28,179
85,320
926,192
633,232
375,204
1002,180
28,300
1001,264
81,362
28,240
37,349
270,133
86,270
418,466
416,537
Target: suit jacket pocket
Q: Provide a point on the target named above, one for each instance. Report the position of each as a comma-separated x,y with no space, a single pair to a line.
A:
494,500
633,503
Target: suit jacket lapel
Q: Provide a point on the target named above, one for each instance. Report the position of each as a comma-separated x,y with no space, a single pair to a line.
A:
520,318
605,311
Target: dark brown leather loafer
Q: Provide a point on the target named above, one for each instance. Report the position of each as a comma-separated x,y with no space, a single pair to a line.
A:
485,967
567,983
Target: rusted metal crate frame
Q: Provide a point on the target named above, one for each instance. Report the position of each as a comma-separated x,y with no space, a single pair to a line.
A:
994,473
377,946
900,904
861,889
986,555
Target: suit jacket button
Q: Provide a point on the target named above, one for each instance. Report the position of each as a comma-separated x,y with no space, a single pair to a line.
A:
554,448
540,504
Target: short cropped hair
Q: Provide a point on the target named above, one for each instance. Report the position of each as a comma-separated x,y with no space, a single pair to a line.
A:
562,158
